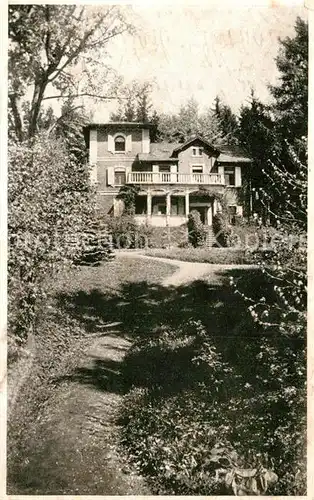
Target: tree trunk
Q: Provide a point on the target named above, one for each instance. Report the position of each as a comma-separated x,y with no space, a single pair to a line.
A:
17,118
38,95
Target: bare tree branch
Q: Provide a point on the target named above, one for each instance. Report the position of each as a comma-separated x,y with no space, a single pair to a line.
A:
87,94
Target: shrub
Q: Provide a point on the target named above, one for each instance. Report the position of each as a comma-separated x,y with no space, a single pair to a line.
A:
50,203
180,425
126,233
196,231
198,393
222,229
95,245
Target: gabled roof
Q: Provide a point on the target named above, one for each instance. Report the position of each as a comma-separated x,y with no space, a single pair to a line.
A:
197,138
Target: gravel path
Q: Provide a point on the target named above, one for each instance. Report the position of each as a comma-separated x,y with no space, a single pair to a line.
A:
187,271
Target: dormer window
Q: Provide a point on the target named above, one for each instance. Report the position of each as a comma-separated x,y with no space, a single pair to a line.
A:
119,144
197,151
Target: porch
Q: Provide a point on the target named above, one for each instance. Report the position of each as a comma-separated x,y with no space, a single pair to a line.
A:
172,209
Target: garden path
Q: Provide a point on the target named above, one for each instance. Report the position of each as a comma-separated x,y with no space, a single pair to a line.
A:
73,448
187,271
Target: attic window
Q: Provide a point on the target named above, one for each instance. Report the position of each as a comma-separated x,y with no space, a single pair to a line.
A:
119,143
197,151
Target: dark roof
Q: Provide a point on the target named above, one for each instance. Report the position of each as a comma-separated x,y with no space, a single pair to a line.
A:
232,154
158,151
194,139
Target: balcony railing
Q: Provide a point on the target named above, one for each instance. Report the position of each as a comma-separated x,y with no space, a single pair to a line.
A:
173,178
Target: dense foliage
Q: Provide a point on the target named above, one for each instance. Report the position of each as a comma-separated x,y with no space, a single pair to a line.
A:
196,394
46,220
125,232
196,230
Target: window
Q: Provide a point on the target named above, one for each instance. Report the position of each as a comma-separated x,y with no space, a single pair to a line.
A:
141,205
230,176
197,173
197,151
197,169
164,168
119,143
159,205
119,177
232,212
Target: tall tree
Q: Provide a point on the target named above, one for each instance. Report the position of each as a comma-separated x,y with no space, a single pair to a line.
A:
144,104
135,103
188,123
228,121
256,136
269,132
48,45
291,93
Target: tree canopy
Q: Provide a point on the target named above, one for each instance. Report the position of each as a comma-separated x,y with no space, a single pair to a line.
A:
53,48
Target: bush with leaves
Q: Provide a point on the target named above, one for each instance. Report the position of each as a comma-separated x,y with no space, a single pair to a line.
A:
283,320
196,230
222,229
181,423
126,233
50,205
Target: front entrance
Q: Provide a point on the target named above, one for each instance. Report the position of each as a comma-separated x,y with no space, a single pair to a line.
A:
201,211
205,212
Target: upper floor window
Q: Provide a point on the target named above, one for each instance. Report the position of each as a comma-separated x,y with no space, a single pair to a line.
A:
230,176
164,168
197,169
197,151
119,143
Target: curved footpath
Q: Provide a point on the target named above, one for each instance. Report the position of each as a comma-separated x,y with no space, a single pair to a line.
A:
74,447
187,271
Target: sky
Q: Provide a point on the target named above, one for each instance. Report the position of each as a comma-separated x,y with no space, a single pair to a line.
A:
202,51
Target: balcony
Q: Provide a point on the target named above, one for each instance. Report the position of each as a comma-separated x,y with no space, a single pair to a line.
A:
174,178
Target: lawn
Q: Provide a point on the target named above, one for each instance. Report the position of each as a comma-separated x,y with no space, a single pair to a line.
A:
200,371
79,302
206,255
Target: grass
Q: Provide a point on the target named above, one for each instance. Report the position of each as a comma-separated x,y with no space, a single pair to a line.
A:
205,255
63,332
164,372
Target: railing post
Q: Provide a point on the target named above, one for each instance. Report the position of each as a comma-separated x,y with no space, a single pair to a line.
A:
149,204
168,207
187,203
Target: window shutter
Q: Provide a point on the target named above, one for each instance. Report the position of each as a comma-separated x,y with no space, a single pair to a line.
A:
110,176
238,176
128,145
110,143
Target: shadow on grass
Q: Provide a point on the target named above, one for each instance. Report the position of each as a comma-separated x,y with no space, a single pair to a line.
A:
143,309
103,375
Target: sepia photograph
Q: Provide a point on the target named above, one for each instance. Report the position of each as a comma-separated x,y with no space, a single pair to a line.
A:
157,194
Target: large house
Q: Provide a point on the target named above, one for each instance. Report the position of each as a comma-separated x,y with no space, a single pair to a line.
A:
173,178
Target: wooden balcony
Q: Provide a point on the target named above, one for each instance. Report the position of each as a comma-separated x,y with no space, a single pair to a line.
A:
174,178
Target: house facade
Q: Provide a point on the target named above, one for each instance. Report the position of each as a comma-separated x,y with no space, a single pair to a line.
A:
172,178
